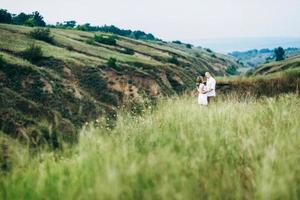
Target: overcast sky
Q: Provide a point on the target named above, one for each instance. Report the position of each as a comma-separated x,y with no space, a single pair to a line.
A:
174,19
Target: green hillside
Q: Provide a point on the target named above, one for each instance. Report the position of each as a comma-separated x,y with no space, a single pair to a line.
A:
272,67
51,87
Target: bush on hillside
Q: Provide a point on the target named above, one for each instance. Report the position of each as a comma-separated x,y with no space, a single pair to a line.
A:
231,70
174,60
90,41
1,60
109,40
189,46
177,42
209,50
33,53
43,34
129,51
112,62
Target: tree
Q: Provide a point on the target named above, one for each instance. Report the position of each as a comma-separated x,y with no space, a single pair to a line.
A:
189,46
20,19
5,17
279,53
174,60
69,24
109,40
29,22
38,19
34,19
84,27
138,34
177,42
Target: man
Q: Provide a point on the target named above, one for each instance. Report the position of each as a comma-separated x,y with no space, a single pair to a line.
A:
210,87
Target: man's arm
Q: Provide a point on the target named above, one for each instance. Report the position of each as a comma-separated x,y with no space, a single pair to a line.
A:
211,87
208,88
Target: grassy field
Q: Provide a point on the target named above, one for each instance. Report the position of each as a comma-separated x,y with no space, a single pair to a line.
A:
235,149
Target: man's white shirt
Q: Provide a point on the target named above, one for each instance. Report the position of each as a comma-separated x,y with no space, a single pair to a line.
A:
211,84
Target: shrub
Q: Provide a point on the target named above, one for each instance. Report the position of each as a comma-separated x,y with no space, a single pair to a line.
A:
231,70
42,34
90,41
29,22
70,48
110,40
174,60
189,46
33,53
129,51
209,50
177,42
112,62
1,60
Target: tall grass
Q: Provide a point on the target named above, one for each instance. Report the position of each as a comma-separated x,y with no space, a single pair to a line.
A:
233,149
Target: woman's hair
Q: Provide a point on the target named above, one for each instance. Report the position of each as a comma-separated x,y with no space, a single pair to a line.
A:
200,79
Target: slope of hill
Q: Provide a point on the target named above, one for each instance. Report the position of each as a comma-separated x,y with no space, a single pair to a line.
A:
272,67
77,79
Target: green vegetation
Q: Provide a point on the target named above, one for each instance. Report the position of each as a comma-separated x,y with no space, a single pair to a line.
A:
209,50
1,59
279,54
174,60
254,58
189,46
43,34
290,63
34,19
129,51
231,70
112,62
109,40
214,153
177,42
257,86
5,17
68,82
33,53
139,35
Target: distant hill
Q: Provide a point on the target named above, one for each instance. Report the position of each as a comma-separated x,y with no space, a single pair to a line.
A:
253,58
290,63
50,85
227,45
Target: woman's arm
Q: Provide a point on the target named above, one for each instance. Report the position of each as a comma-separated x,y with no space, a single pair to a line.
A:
201,89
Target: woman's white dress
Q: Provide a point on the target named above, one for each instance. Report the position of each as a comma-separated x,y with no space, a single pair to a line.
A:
202,98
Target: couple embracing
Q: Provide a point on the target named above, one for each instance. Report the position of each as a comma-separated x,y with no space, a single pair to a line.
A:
207,92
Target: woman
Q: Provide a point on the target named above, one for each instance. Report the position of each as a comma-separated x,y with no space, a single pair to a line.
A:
202,97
